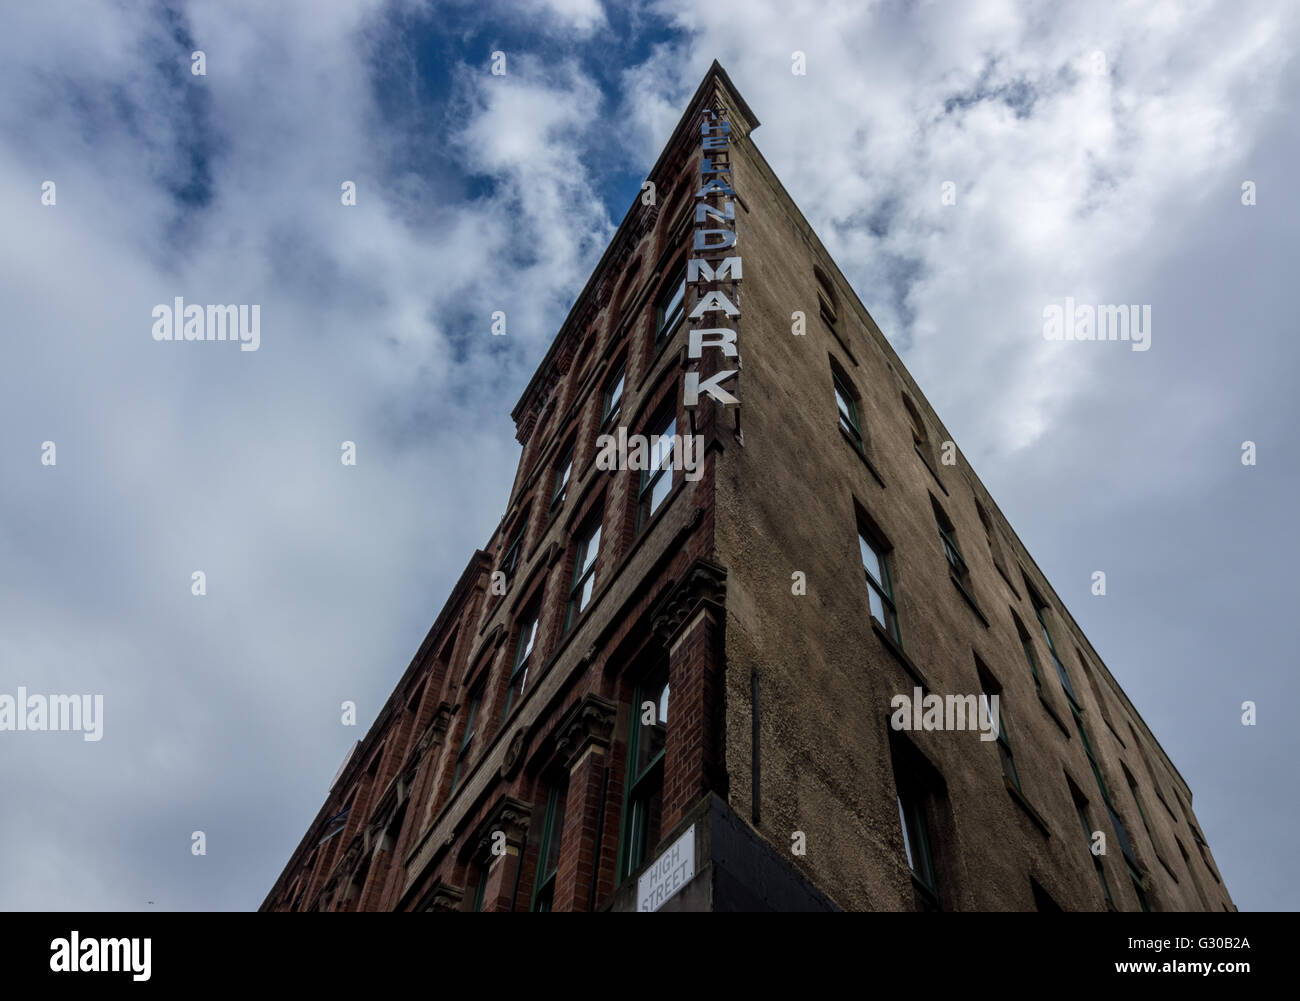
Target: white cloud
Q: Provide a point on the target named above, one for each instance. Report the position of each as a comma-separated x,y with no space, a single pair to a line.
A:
176,457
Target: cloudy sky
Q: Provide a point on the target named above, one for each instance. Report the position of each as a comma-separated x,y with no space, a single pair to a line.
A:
478,192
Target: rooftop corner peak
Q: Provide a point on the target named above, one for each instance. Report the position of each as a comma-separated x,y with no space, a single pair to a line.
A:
715,87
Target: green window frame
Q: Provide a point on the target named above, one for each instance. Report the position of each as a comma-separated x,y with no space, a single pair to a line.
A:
1121,832
657,481
1027,645
880,588
953,552
1087,840
523,658
613,404
671,308
846,404
467,738
916,847
548,857
1133,789
1008,757
562,473
1137,888
1039,607
584,574
643,798
514,551
948,538
480,891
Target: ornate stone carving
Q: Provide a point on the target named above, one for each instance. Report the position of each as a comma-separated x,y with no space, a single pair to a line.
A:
589,724
703,583
443,898
514,755
510,816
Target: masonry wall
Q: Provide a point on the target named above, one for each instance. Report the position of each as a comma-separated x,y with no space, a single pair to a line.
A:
791,500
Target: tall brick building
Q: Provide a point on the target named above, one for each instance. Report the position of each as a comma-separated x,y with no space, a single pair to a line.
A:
676,687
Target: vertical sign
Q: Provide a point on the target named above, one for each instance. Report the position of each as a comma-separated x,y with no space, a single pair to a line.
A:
714,238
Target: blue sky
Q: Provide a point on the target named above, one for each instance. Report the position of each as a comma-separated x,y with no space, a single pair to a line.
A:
479,192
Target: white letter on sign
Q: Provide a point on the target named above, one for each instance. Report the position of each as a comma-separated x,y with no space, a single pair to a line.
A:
714,302
693,387
719,337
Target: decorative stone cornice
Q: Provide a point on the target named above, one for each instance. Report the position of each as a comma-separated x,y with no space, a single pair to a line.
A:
589,724
433,736
441,722
526,426
704,583
443,898
510,816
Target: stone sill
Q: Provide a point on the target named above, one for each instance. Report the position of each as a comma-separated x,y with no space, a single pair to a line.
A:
1025,805
858,451
893,647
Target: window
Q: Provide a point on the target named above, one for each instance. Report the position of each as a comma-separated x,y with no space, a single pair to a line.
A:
948,538
1090,676
675,221
467,739
657,481
613,397
988,530
988,688
548,858
826,300
1187,861
645,773
880,591
1080,806
916,843
1027,645
1133,788
1039,608
514,551
1204,849
562,473
335,824
846,401
1137,888
625,290
1155,784
919,795
671,306
480,891
919,437
1120,831
584,573
523,658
